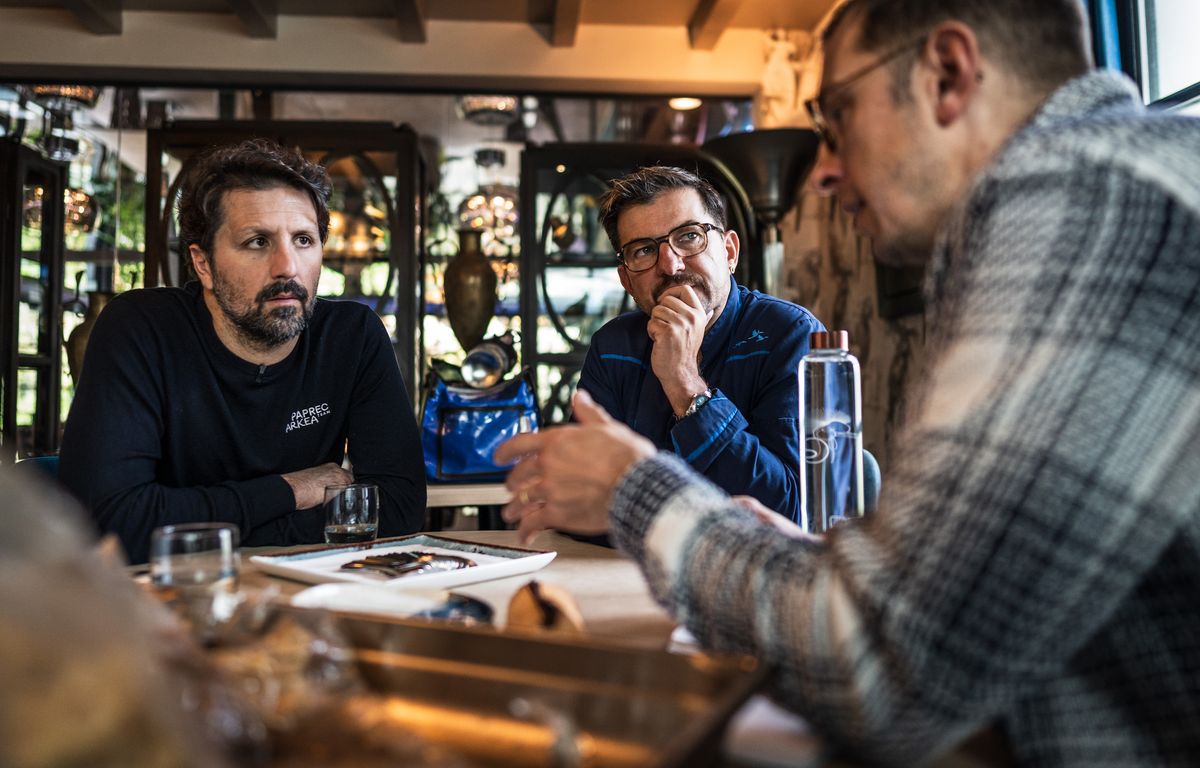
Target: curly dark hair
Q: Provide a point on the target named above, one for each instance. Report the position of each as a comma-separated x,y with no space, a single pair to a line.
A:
252,164
647,183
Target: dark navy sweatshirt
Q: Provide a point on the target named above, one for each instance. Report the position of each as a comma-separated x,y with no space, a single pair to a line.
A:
169,426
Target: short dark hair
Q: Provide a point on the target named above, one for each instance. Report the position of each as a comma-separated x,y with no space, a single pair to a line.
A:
1043,42
252,164
647,183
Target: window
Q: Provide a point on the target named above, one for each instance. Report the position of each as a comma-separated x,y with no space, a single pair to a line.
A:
1168,57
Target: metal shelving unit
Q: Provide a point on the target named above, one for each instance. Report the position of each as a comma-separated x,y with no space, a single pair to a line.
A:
30,300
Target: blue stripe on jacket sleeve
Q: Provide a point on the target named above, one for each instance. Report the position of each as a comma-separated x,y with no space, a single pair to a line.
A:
624,358
711,439
731,358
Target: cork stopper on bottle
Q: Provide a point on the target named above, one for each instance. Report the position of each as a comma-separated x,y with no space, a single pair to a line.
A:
829,340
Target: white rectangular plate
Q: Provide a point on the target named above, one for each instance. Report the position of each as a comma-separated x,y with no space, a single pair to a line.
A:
320,566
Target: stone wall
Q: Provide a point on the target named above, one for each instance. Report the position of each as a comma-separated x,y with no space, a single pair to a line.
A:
830,270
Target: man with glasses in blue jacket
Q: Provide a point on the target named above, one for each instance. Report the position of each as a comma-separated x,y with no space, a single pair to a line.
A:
706,369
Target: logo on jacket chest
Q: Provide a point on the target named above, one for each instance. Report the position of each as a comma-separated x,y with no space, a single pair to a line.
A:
306,417
756,336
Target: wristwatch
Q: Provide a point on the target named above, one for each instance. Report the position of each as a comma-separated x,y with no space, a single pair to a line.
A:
697,403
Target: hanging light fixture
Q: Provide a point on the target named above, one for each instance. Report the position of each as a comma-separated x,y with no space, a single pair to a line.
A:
491,209
484,109
684,103
59,140
66,96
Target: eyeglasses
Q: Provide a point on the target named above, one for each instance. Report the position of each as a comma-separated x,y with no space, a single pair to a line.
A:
824,119
686,240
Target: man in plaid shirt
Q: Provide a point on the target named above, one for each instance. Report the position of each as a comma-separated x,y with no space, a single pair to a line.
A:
1034,566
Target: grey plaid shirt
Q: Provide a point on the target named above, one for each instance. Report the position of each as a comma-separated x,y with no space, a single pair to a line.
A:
1035,561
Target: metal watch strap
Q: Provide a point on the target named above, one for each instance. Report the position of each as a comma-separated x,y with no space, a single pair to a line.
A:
697,403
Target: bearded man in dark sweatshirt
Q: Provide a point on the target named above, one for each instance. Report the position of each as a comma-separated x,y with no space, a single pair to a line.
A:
236,398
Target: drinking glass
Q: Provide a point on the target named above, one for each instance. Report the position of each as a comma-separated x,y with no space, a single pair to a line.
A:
195,567
351,513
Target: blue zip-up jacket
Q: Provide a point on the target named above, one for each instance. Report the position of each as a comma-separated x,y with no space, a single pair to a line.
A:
745,438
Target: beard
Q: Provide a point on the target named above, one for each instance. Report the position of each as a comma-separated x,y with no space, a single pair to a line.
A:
699,284
899,258
255,324
902,254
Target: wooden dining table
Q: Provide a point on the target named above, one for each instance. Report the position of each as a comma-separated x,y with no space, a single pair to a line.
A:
611,596
615,605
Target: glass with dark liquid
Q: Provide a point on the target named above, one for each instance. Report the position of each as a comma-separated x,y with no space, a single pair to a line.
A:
351,513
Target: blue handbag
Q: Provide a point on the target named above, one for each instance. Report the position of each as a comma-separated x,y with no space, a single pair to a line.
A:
461,427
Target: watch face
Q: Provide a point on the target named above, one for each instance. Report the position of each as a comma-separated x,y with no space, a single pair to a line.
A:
697,402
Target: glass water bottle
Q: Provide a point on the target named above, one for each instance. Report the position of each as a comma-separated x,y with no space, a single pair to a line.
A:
831,425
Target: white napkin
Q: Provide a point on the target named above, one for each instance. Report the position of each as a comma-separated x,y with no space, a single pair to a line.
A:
369,598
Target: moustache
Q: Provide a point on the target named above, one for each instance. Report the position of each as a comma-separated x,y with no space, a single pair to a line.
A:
683,278
289,287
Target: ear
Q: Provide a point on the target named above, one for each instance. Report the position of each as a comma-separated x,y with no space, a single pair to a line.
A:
623,274
732,249
201,264
952,50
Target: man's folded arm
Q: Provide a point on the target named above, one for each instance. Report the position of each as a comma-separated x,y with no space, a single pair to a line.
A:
255,506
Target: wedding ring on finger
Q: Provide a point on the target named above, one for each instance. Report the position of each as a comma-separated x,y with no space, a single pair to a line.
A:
523,496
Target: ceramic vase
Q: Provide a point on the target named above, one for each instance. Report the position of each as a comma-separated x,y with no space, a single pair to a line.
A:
470,288
76,343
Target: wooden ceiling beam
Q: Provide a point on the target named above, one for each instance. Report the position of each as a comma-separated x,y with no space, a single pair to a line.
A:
411,21
100,17
565,24
259,17
709,21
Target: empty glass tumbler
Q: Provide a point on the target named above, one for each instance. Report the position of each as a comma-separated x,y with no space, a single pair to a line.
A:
194,566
